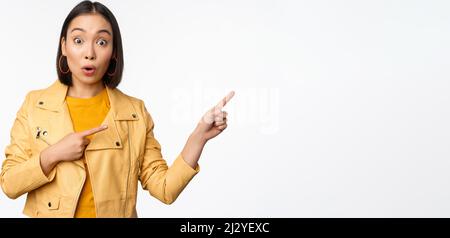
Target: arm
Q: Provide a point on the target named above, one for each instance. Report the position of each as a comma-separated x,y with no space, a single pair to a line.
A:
163,182
193,148
166,183
21,170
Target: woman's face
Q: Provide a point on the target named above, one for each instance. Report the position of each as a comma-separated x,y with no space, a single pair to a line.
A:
88,48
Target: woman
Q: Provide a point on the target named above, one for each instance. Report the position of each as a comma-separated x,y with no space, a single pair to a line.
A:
79,147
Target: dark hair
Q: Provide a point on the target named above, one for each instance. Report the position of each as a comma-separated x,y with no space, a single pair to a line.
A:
115,65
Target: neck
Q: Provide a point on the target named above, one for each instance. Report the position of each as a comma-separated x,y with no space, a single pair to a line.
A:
83,90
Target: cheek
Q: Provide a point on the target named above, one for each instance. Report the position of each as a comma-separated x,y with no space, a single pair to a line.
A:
73,56
104,58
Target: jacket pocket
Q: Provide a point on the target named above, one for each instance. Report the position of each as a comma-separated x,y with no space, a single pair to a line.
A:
53,203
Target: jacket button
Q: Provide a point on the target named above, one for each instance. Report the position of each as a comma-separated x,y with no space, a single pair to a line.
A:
133,115
49,204
45,133
117,143
41,102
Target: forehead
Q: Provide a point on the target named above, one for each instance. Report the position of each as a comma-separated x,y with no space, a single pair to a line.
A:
90,23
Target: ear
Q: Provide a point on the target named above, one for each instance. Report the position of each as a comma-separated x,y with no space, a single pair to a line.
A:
63,46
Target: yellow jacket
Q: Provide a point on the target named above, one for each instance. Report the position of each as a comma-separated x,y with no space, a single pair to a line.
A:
117,158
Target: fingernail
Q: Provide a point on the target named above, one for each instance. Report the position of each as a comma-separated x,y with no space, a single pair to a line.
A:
105,126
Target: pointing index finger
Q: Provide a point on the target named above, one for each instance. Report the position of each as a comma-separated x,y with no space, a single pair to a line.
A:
93,130
225,100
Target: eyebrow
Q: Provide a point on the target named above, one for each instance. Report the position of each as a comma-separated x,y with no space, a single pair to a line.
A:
100,31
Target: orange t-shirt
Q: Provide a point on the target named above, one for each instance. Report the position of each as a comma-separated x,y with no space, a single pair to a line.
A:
87,113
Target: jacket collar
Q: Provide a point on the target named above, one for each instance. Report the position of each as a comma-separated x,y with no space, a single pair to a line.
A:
53,98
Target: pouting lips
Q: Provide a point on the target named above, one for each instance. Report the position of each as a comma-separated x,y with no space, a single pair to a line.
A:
89,69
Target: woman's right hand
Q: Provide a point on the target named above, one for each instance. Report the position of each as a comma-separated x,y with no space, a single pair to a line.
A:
69,148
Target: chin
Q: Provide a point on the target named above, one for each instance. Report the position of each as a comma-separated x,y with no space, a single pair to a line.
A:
89,80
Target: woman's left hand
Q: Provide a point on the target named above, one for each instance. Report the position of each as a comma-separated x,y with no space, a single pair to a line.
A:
215,120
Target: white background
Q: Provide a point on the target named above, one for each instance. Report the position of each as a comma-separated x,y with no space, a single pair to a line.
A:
341,107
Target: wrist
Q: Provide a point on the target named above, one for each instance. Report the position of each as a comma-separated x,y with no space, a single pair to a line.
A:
198,137
49,159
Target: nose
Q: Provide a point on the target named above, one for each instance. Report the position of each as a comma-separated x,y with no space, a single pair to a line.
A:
90,53
91,57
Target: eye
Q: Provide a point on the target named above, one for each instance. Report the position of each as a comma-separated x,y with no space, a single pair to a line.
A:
77,41
102,42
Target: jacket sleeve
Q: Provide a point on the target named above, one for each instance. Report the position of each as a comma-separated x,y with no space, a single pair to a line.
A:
163,182
21,170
